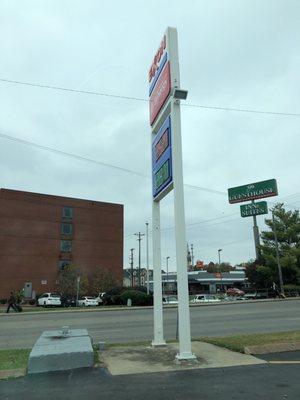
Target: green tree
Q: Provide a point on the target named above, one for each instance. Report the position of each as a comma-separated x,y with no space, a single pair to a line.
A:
287,224
103,280
67,281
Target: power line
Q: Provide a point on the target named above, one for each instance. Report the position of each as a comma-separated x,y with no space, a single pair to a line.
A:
245,110
64,89
103,164
65,153
95,93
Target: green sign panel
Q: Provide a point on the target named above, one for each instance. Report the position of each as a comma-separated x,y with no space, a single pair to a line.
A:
259,208
253,191
162,175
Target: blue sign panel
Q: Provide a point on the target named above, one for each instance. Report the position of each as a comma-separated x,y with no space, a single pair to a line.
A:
162,178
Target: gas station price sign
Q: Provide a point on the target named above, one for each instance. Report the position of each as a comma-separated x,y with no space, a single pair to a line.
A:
162,144
162,175
162,179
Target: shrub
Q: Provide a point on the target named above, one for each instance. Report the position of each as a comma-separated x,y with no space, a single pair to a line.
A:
119,295
137,297
3,301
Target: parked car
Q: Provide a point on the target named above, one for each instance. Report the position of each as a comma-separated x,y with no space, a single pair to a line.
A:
234,292
67,301
99,298
170,300
49,300
205,298
87,301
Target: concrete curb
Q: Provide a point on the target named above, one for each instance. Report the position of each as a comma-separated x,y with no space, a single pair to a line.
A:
103,309
272,348
12,373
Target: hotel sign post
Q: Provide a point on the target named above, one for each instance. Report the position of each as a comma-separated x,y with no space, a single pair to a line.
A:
253,191
167,175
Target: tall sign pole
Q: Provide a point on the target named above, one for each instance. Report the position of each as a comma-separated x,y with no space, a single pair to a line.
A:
158,339
256,235
184,332
164,102
147,255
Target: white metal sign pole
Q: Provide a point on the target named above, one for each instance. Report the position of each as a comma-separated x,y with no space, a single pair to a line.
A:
157,287
185,351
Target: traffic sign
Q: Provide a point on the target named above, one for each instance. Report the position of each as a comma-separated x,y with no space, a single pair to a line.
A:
249,210
253,191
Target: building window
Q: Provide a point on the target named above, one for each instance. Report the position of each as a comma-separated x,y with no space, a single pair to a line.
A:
66,229
65,246
67,212
62,264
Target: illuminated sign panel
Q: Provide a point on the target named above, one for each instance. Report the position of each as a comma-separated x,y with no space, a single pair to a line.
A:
162,175
159,60
160,92
162,179
162,144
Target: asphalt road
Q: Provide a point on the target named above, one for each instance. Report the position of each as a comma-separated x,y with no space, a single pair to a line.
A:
21,330
260,382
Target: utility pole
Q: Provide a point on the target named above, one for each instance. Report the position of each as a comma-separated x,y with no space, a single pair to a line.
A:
131,266
256,235
139,238
147,255
192,254
277,256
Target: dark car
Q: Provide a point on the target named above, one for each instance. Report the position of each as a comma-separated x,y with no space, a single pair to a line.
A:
67,301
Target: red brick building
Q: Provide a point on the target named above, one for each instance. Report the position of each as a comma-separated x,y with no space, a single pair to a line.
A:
39,234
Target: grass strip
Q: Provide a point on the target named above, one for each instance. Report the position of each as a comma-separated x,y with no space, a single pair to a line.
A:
13,359
239,342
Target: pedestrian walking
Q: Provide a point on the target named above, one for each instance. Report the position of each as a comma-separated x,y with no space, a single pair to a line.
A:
12,302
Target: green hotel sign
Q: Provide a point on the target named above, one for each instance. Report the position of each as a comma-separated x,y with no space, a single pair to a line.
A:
253,191
249,210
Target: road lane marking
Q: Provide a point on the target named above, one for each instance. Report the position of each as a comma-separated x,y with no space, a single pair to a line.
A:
284,362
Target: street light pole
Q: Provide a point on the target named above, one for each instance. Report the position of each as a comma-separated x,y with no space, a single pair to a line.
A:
192,254
147,255
167,262
220,272
277,256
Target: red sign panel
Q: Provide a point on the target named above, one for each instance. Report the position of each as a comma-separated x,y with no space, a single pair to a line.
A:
160,92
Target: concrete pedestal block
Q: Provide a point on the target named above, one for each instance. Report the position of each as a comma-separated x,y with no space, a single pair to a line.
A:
53,352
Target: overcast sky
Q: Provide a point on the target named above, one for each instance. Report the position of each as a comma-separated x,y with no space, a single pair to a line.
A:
239,54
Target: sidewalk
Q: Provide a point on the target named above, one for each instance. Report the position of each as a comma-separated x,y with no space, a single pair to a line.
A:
124,360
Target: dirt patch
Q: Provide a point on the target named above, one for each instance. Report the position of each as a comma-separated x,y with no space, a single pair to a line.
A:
163,355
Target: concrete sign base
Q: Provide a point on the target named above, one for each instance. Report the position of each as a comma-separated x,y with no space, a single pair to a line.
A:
56,352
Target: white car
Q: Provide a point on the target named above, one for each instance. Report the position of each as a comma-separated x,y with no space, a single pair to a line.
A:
49,299
205,298
88,301
170,300
99,298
